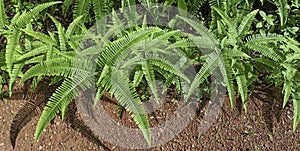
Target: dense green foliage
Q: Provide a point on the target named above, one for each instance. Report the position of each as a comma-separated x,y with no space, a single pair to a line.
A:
254,41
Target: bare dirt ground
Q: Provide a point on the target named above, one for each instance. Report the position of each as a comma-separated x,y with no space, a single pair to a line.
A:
265,126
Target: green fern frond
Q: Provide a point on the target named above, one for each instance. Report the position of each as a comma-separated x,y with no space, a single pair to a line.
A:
40,36
287,90
227,20
164,64
260,38
81,7
55,67
72,27
34,52
138,76
3,16
242,84
149,75
60,99
296,104
209,65
98,7
11,50
201,30
227,75
121,48
16,73
282,11
270,63
246,22
65,6
26,17
103,82
128,98
34,60
61,34
265,50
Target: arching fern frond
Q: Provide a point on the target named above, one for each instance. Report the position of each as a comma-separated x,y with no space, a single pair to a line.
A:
11,50
82,7
265,50
227,76
150,77
99,10
121,47
73,26
63,95
209,65
241,80
65,6
26,17
40,36
56,67
128,98
3,16
246,22
282,11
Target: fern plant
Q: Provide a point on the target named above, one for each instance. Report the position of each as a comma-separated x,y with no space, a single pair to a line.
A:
243,49
12,30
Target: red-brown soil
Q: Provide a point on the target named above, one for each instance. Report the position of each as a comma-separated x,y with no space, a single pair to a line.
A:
265,126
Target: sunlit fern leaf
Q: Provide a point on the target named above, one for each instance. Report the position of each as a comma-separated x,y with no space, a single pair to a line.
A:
103,82
164,64
158,40
227,76
242,83
265,50
292,58
16,73
138,76
62,96
287,90
82,7
34,60
122,46
98,7
282,11
209,65
259,38
227,20
289,75
56,80
201,30
26,17
33,53
15,18
181,4
236,53
11,48
246,22
40,36
3,16
73,26
128,98
54,67
67,55
61,34
296,104
150,77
